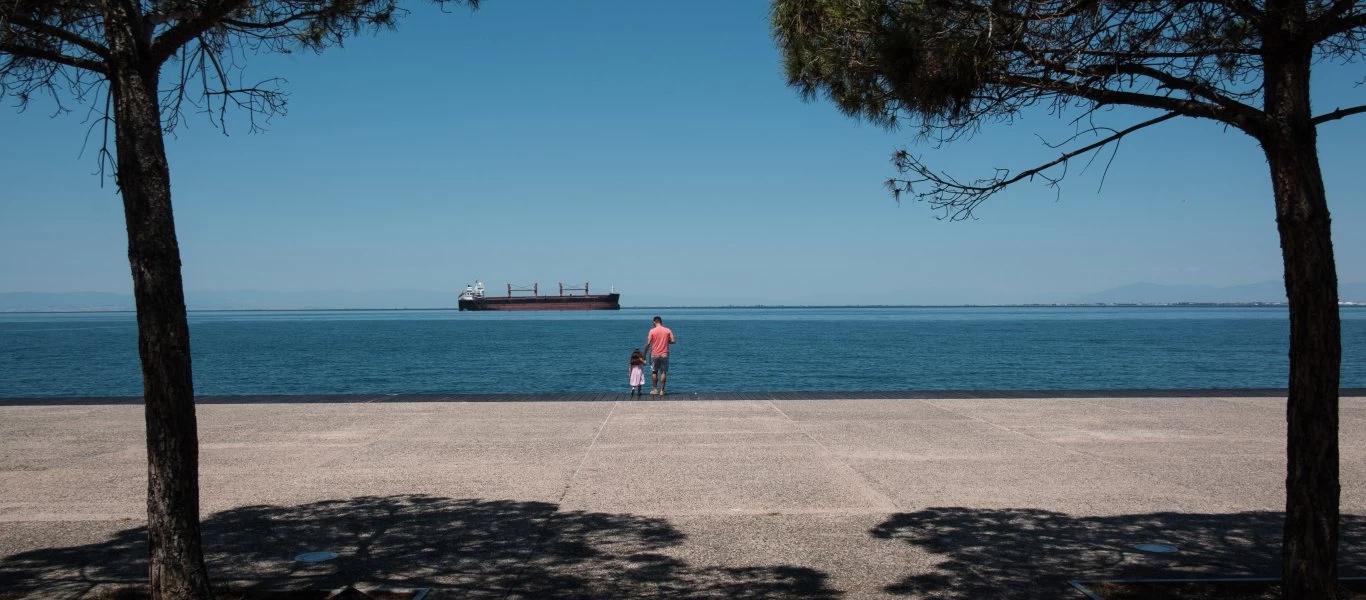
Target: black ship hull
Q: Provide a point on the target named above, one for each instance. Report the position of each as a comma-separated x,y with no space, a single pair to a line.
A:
590,302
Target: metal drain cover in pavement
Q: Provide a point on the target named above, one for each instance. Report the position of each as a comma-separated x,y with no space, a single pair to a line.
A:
325,555
1155,548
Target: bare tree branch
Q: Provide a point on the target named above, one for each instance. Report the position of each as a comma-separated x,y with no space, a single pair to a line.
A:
1105,96
1337,21
272,24
1338,114
1145,56
70,37
1195,88
1339,8
41,28
958,199
1244,8
56,57
171,40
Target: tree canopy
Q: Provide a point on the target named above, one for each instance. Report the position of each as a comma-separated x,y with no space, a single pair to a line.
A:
951,66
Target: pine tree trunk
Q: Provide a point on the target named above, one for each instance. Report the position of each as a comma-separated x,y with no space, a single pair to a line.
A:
1309,559
1312,488
176,562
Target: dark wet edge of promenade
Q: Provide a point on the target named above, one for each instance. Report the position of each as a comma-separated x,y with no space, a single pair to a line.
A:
698,396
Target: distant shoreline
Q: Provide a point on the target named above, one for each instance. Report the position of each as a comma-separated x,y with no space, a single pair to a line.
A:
728,307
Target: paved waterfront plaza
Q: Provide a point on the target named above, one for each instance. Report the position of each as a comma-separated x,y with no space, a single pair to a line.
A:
910,498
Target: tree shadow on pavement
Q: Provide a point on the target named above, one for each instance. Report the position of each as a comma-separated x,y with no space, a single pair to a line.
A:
467,548
1020,554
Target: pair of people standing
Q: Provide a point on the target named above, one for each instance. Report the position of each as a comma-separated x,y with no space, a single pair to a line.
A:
657,344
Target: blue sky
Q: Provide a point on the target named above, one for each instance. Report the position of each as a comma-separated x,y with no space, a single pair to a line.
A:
653,147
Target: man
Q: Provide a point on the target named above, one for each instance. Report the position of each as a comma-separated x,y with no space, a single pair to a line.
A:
658,342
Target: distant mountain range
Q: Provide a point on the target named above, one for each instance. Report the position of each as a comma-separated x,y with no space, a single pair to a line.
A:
1137,293
1152,293
233,300
64,301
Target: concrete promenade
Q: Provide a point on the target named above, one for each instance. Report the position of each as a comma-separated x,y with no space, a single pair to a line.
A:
947,498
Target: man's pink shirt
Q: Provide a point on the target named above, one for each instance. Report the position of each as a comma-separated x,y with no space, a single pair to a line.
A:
659,340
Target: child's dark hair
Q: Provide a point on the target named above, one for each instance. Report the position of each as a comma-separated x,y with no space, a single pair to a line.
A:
637,352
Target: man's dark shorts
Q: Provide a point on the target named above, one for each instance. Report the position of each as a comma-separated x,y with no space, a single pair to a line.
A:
659,364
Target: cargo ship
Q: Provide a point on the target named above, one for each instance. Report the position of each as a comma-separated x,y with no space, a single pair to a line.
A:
474,298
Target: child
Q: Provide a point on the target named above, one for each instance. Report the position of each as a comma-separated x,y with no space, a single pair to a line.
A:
637,371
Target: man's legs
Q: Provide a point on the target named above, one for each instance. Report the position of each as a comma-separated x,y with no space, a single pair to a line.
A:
659,373
661,370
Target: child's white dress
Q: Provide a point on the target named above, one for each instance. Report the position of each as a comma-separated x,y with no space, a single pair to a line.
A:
637,375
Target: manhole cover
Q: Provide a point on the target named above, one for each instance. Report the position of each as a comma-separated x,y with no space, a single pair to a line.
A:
325,555
1155,548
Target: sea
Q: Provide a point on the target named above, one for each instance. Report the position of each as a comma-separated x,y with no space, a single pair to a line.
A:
718,350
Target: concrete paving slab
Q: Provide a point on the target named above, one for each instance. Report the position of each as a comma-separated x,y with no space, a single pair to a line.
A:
1241,481
717,479
1210,414
488,421
656,406
75,494
665,423
1352,408
872,439
40,438
1007,411
1278,404
49,559
805,411
1352,475
404,453
620,437
1072,484
224,490
1139,433
299,423
38,453
674,422
837,550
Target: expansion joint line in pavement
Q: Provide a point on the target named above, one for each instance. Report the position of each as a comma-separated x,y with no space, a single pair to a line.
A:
872,492
543,534
1064,448
1233,401
588,452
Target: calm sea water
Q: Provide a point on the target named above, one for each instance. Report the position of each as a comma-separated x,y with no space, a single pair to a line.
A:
95,354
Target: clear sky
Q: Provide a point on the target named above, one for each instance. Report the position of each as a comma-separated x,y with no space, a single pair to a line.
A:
650,146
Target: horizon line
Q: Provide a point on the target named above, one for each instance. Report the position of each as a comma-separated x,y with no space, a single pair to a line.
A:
729,306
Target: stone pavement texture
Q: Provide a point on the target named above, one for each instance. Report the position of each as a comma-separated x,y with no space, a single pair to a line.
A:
924,498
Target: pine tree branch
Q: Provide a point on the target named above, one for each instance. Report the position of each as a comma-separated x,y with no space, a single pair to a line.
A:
272,24
1338,114
1327,27
171,40
1194,87
1244,8
958,199
1249,122
21,51
1143,55
1066,156
48,29
1339,8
